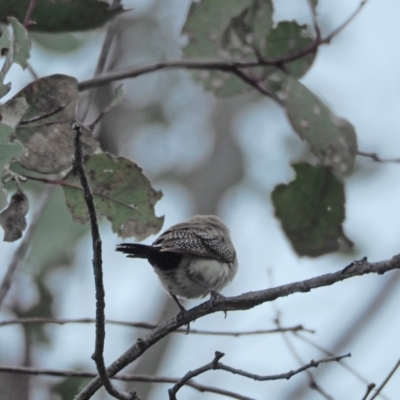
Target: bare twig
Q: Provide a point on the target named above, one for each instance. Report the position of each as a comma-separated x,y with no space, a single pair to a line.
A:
386,380
121,377
242,302
216,365
377,158
146,325
23,247
340,28
370,387
98,272
31,7
329,353
315,20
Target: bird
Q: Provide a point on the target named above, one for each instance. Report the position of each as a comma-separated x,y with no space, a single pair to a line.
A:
192,259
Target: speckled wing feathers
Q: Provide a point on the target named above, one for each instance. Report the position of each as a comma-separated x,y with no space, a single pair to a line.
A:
204,242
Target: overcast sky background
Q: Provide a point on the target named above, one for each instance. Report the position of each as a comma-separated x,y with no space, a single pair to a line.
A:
357,75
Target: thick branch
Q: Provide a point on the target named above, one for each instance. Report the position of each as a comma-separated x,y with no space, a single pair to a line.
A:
242,302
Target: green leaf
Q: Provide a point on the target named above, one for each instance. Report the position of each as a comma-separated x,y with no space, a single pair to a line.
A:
45,128
121,193
311,210
332,139
61,15
21,43
289,38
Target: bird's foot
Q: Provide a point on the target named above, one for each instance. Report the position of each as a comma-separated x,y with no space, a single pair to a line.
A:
214,295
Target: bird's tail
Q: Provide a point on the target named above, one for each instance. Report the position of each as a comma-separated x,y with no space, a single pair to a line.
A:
135,250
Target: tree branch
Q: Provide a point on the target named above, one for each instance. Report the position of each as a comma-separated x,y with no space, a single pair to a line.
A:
242,302
98,272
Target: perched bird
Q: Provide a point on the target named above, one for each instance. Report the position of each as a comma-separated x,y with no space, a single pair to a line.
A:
192,259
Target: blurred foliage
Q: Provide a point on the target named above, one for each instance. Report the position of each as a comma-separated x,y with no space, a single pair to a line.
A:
68,387
60,15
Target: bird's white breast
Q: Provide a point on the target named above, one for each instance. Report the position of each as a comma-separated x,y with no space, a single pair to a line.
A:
185,281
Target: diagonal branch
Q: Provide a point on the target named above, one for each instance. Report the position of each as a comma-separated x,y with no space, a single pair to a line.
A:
242,302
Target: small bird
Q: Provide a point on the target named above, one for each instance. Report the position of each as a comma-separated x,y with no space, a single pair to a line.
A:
192,259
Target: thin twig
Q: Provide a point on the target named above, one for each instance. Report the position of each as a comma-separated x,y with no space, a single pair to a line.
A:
370,387
315,20
20,253
377,158
340,28
386,380
98,272
329,353
121,377
146,325
216,365
31,7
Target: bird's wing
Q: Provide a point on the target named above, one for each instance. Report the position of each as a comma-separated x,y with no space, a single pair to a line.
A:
202,242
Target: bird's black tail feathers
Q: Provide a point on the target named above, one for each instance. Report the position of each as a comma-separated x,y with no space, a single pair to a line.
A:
160,259
136,250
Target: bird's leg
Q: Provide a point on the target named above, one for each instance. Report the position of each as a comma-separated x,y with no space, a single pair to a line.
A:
214,294
182,310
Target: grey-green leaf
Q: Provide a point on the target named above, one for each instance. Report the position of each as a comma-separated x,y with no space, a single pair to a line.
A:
331,139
